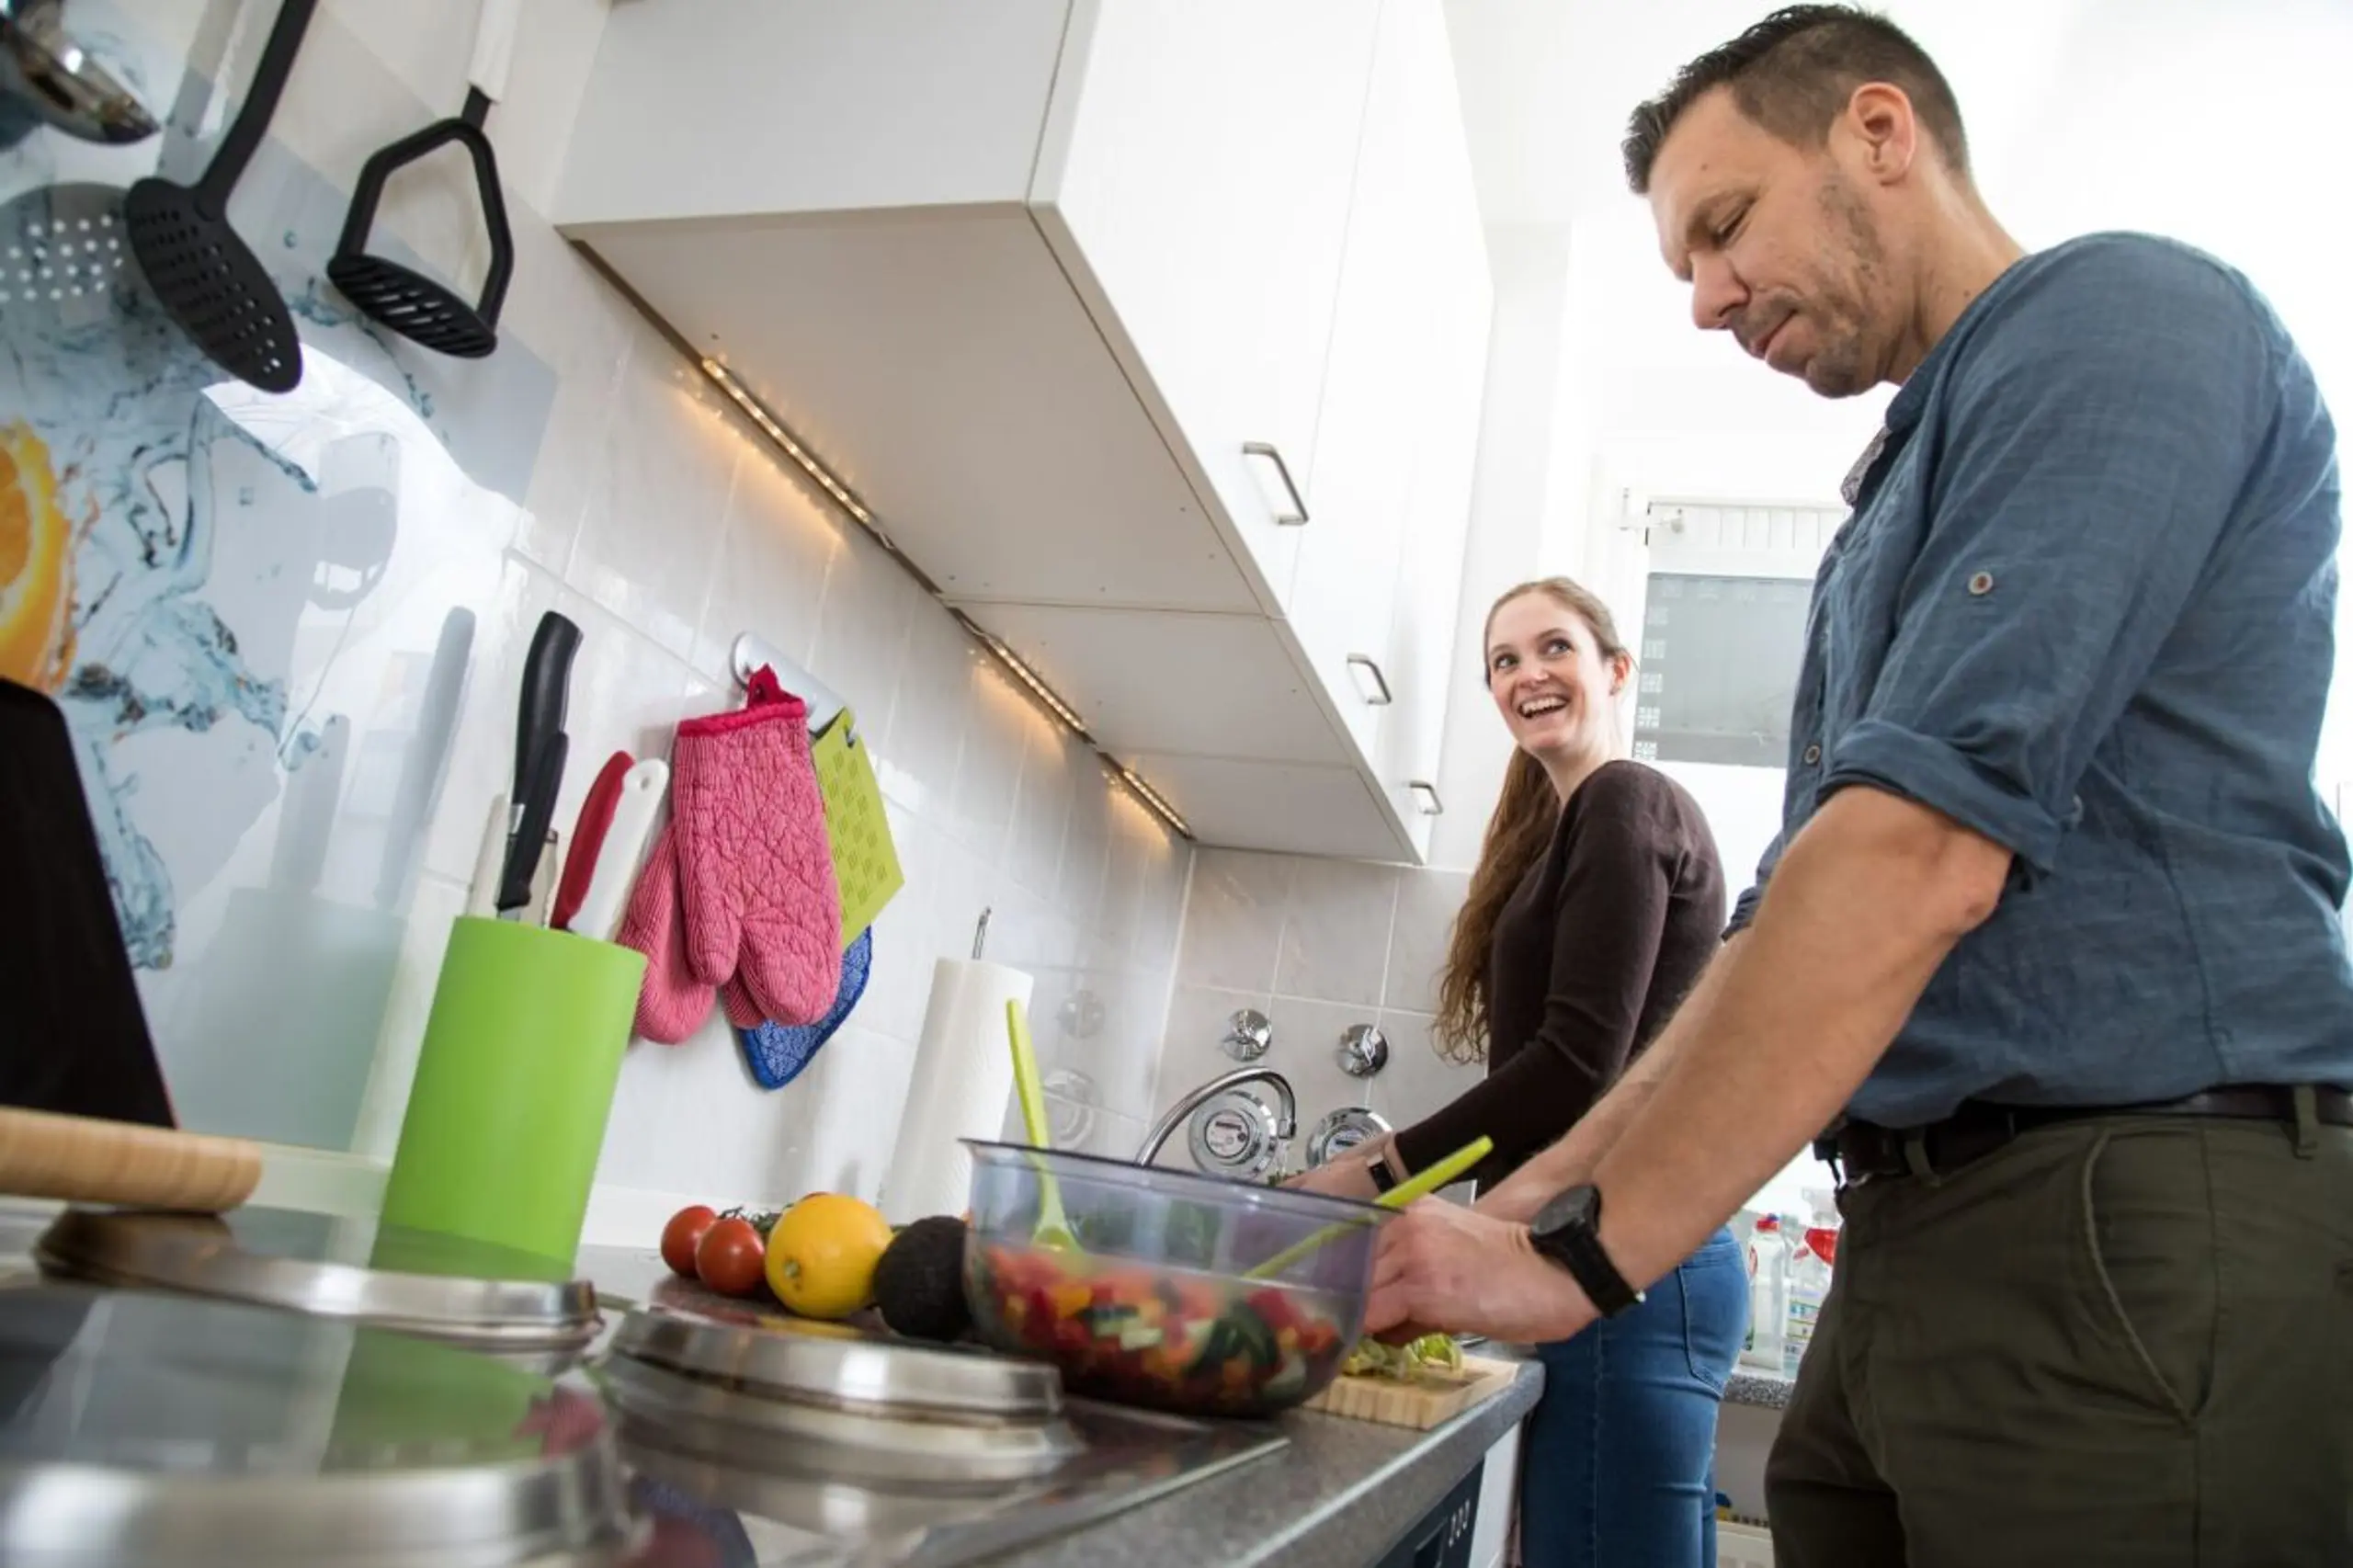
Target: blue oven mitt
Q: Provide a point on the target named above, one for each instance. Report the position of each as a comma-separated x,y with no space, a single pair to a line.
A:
777,1052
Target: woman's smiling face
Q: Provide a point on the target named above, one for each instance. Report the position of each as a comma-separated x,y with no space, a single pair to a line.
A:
1549,678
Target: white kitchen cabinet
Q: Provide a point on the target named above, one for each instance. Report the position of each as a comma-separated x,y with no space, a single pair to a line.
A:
1433,656
1038,290
1344,589
1434,414
1195,178
1291,808
1498,1501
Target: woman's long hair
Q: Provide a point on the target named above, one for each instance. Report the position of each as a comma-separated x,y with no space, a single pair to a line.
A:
1517,836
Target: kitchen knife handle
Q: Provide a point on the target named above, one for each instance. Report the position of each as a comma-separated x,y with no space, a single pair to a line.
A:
547,677
602,907
530,838
83,1159
587,837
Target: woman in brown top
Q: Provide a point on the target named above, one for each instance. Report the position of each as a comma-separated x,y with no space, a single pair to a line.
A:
1598,899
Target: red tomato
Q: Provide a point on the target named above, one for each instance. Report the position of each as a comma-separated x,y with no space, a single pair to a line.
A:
1274,1309
683,1234
730,1260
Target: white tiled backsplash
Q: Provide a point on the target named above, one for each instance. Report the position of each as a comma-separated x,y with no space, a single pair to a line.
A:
1316,946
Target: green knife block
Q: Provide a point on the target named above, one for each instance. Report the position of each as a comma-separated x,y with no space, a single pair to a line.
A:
514,1084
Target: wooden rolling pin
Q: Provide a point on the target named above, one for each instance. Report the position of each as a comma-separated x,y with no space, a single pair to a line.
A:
84,1159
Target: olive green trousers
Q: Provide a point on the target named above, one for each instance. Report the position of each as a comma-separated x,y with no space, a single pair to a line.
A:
2121,1341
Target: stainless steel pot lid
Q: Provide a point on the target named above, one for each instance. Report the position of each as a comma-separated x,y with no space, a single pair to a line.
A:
701,1416
445,1288
829,1366
145,1428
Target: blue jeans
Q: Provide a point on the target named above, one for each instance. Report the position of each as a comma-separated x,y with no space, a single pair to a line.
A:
1617,1461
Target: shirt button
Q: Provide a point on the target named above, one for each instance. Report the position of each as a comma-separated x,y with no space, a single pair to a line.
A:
1982,584
1813,756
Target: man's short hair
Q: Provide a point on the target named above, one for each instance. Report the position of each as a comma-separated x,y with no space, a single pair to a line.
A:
1793,73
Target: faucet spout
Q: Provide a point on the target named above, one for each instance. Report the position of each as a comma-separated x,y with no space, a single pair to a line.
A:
1285,1107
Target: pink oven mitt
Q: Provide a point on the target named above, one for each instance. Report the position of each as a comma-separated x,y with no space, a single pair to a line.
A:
671,1002
755,870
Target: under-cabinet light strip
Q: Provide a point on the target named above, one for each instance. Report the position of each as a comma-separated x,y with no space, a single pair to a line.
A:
784,440
1152,798
776,432
1027,677
1054,703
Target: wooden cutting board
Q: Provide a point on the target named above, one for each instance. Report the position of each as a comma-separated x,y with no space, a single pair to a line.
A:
1429,1400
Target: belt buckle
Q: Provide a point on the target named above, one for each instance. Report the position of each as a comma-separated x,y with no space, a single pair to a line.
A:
1826,1149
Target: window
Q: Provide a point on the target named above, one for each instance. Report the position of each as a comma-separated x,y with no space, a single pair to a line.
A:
1719,668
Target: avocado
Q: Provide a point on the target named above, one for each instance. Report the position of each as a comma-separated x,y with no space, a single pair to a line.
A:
919,1282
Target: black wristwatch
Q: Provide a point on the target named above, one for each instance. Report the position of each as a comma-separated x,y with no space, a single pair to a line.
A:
1568,1231
1384,1174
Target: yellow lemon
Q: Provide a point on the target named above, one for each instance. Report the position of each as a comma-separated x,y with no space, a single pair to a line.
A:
36,565
822,1255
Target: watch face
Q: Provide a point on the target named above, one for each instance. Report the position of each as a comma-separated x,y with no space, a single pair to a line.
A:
1568,1231
1579,1206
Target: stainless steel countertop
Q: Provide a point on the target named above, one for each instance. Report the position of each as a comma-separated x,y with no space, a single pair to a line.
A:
1339,1496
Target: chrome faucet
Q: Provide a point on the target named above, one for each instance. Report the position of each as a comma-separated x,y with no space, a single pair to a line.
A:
1286,1112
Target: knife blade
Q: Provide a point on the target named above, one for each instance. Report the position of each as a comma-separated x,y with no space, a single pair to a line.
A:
515,890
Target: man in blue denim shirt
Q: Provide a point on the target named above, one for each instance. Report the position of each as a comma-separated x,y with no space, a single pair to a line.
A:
2048,941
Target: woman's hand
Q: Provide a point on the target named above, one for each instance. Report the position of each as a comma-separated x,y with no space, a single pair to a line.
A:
1351,1178
1350,1175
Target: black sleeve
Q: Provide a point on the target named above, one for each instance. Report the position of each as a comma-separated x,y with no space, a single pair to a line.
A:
1617,877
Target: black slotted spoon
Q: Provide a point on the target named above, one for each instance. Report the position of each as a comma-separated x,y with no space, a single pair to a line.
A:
202,273
420,308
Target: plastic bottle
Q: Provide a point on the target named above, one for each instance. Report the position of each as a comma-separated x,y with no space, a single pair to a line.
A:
1769,1294
1810,1279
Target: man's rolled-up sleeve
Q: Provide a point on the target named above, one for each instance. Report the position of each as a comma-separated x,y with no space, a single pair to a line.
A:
2092,452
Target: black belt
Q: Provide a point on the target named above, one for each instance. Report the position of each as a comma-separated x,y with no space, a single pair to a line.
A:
1857,1150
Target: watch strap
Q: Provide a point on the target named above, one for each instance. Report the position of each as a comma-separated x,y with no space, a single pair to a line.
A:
1575,1243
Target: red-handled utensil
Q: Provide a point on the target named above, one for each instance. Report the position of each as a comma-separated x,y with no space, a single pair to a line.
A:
589,839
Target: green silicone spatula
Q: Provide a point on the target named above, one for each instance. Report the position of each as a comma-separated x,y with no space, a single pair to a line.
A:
1420,1185
1053,1228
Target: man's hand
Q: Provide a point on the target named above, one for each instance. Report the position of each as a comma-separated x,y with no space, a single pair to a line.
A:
1440,1265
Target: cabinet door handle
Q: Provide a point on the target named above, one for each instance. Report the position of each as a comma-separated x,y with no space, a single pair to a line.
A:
1379,697
1431,805
1298,513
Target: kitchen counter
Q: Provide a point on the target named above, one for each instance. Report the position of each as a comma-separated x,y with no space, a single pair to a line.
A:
1339,1496
1767,1391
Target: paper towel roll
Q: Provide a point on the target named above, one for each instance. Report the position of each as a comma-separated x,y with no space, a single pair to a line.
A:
962,1087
